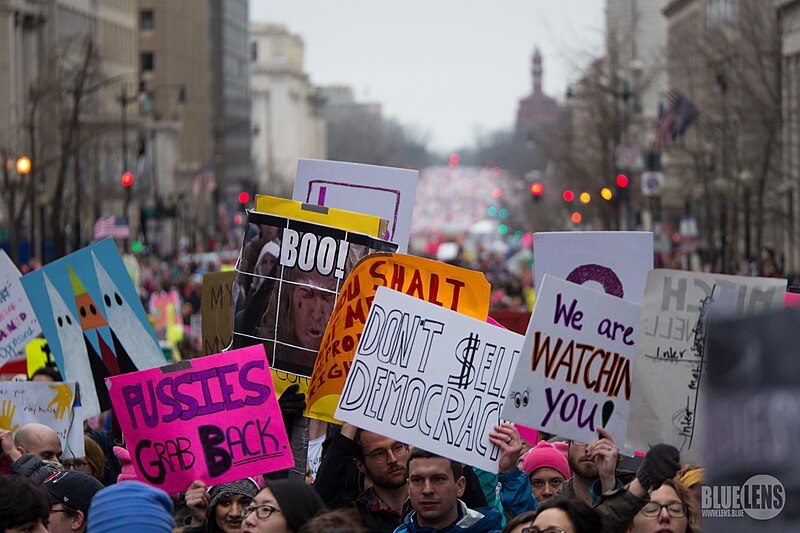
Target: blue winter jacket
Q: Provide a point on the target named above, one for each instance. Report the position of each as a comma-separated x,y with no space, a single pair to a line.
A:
469,521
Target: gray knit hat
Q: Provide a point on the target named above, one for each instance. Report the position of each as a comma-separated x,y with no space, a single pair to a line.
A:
245,487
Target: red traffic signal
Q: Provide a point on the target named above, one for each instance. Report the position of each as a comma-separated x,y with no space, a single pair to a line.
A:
622,181
537,188
244,197
127,179
568,195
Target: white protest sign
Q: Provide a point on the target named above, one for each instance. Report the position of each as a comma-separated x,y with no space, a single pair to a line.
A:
18,323
430,377
51,404
670,348
615,262
574,375
381,191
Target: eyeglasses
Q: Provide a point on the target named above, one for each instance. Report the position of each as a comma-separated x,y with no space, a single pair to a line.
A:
675,509
262,511
548,529
75,465
379,456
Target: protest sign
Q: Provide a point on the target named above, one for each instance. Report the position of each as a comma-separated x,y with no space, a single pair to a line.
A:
216,306
575,372
165,306
450,287
431,377
752,406
215,419
670,348
38,355
18,323
382,191
327,216
51,404
284,296
93,320
615,262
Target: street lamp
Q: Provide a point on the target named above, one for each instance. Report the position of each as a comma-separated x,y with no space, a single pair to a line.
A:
124,100
23,165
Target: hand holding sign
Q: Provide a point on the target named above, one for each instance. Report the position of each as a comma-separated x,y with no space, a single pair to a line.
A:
62,399
605,453
7,416
507,437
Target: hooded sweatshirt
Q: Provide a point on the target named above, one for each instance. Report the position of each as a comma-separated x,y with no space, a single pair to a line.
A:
469,521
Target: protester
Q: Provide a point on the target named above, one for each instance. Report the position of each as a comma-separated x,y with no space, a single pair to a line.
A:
383,461
283,506
566,515
336,521
130,507
547,469
671,508
618,507
24,506
218,510
92,463
594,468
71,496
47,374
435,485
33,438
520,522
692,478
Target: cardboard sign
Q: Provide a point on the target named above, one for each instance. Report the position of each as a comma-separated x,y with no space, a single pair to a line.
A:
431,377
289,275
38,355
215,419
615,262
93,320
216,305
670,349
18,323
575,374
327,216
447,286
752,405
51,404
381,191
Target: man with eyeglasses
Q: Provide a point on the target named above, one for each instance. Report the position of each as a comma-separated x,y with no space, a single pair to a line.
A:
71,495
381,459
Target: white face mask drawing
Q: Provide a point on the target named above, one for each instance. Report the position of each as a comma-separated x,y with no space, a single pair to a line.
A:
139,342
73,350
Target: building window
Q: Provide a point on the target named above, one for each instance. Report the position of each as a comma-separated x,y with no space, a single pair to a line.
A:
147,61
146,19
254,51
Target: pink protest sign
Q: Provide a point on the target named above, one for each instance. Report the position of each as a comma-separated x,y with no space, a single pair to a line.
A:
214,418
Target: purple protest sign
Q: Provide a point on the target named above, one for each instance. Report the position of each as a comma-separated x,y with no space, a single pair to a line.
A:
215,419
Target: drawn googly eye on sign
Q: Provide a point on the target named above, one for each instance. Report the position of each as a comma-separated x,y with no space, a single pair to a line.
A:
600,274
517,399
525,397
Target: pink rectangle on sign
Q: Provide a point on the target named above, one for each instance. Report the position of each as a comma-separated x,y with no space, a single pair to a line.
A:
215,419
792,299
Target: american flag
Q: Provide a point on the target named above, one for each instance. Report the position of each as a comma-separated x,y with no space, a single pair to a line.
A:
111,226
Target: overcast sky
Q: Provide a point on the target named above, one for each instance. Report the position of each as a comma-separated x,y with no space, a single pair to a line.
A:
448,68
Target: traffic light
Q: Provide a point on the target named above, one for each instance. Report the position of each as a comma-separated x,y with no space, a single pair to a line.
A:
244,197
537,190
606,193
622,186
127,179
568,195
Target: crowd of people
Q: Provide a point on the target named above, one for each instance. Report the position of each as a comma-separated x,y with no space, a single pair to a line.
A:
365,482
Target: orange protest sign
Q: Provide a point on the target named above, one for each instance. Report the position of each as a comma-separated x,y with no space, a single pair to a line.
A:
454,288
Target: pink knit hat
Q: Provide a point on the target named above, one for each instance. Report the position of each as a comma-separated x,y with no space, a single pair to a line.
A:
545,454
124,457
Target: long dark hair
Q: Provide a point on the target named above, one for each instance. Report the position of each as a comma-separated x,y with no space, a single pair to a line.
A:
299,502
21,502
